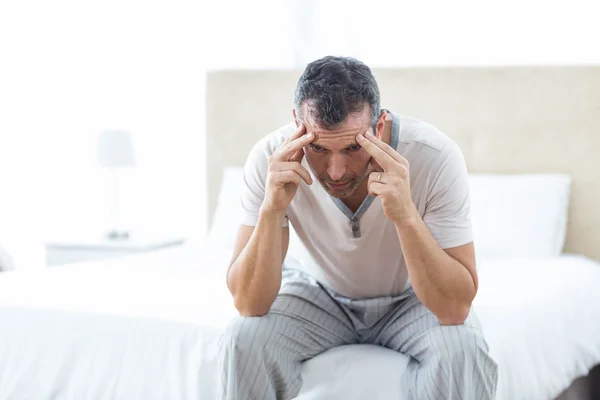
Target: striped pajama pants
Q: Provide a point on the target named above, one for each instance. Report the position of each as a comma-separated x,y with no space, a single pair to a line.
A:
260,357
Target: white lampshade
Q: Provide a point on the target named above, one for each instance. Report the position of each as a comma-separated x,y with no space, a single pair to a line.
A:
115,149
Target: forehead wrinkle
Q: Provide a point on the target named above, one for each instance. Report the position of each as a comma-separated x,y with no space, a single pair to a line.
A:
347,135
332,143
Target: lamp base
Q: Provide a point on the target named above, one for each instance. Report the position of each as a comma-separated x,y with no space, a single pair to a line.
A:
115,235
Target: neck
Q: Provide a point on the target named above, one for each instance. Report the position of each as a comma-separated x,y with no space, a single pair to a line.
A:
354,201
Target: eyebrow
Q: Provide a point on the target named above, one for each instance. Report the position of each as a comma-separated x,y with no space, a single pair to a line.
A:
326,148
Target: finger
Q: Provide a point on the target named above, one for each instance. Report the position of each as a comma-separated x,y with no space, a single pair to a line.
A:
403,171
297,168
374,177
289,149
383,159
376,188
385,147
297,157
301,130
375,165
284,177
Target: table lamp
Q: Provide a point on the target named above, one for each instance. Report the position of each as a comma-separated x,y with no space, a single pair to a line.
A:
115,152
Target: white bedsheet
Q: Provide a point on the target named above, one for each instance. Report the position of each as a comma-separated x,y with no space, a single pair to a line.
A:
542,321
541,318
142,327
146,327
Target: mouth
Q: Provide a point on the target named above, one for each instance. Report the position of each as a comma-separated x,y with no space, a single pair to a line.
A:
338,186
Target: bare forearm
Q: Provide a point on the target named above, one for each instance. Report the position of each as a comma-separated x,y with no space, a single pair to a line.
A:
442,283
254,278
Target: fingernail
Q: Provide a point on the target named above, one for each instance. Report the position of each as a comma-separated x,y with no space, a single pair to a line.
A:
309,135
360,136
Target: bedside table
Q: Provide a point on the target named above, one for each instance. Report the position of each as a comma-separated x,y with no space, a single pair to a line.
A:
66,251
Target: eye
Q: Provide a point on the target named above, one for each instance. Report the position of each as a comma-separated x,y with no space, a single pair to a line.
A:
317,148
353,147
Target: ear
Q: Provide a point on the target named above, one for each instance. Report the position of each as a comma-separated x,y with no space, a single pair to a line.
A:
379,127
295,119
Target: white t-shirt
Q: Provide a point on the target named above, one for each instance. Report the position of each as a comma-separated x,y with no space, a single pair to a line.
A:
358,254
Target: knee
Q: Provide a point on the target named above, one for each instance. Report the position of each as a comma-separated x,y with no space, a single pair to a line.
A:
242,333
460,357
249,335
463,343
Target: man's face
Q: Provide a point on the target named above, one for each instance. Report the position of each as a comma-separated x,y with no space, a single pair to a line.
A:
335,158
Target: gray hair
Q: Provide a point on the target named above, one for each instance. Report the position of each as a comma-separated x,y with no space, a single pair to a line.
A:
335,87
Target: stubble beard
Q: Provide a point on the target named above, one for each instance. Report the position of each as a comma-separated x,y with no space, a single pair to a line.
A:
348,191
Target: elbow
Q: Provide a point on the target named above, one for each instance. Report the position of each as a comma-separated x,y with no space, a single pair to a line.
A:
456,316
249,300
457,311
248,308
243,303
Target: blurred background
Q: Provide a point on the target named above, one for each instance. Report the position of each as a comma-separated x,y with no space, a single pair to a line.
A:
71,71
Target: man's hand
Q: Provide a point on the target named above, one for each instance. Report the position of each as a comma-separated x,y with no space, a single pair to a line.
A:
445,285
285,172
391,179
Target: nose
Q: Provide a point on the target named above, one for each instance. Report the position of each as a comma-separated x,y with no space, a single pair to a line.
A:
337,167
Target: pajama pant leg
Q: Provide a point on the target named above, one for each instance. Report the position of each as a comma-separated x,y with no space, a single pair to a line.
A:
261,357
447,362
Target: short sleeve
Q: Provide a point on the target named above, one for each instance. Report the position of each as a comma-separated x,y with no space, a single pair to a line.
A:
255,178
447,211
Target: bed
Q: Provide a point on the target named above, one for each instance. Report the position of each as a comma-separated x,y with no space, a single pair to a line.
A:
147,326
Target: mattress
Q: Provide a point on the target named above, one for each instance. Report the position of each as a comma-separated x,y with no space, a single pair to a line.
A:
147,326
540,316
138,327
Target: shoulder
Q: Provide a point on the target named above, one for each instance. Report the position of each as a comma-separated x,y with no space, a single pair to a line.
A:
257,160
258,156
416,132
273,140
426,145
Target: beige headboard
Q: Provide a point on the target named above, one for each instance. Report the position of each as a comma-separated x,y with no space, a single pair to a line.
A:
506,120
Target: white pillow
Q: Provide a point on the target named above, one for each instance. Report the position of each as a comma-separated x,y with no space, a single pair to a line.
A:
228,211
228,214
513,215
519,215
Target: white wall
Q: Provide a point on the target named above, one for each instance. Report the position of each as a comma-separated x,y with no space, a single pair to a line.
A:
24,125
134,65
70,68
391,33
127,64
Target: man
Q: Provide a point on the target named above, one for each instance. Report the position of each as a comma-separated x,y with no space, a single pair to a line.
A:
385,223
